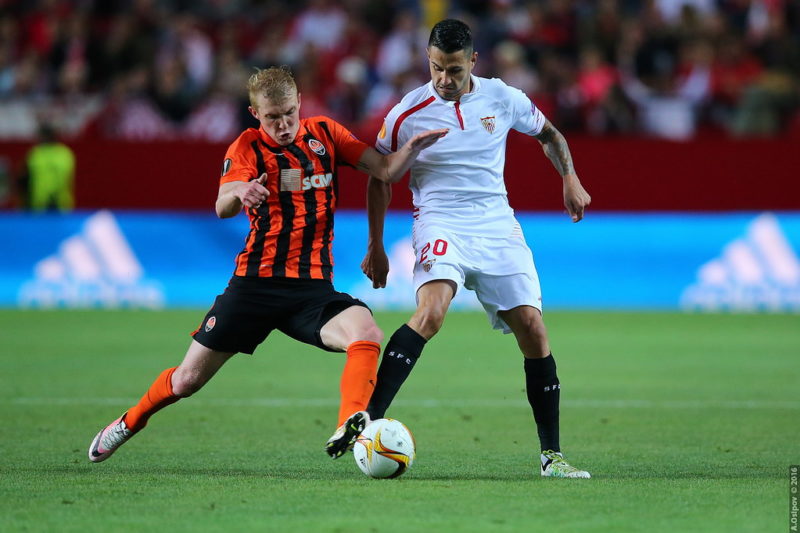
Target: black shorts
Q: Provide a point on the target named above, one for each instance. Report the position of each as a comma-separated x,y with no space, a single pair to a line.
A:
250,308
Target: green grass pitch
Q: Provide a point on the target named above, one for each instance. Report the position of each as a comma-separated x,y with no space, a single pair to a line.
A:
687,422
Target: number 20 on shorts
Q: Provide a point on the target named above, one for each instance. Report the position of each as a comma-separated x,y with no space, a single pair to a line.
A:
439,248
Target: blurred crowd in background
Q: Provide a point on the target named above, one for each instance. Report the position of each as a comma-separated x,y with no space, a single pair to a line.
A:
177,69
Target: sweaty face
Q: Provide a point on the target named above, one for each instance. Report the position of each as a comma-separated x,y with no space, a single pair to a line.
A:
450,72
280,120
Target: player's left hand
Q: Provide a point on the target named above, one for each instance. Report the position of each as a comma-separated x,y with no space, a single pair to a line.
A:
576,199
423,140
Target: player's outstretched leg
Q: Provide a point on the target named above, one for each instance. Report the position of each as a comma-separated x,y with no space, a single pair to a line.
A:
158,396
198,366
342,441
109,439
554,465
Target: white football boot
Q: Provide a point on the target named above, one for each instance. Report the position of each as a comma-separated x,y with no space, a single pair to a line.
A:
109,439
554,465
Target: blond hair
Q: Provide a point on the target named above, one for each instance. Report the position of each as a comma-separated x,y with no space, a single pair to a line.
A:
274,83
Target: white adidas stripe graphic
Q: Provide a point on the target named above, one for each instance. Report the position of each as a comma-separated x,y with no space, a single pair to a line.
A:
95,268
757,272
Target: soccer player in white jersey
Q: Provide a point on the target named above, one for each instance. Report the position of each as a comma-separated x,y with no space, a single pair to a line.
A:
465,234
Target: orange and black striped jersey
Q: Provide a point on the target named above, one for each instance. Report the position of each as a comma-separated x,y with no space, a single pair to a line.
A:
291,233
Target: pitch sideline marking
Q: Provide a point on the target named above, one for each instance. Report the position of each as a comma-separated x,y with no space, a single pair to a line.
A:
432,403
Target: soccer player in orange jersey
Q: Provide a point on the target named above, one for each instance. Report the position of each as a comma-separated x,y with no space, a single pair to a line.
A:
284,175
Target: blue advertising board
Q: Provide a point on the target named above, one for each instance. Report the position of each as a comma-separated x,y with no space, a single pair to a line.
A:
670,261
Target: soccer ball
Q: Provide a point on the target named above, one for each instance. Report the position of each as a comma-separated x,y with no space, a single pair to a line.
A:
385,449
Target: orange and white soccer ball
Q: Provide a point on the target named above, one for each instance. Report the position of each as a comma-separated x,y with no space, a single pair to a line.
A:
385,449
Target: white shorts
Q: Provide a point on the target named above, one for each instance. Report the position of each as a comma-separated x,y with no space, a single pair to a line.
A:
499,269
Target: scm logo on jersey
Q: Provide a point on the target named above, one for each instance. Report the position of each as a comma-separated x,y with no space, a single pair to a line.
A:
318,181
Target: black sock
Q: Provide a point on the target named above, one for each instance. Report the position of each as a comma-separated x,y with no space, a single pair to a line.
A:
399,357
544,392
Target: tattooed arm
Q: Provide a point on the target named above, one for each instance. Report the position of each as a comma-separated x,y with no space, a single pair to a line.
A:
555,148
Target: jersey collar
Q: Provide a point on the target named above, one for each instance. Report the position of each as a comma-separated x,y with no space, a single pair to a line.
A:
476,86
266,139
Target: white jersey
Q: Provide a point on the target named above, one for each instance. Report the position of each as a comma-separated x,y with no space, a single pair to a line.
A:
458,182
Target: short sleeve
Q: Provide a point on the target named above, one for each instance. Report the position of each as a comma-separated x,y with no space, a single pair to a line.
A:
391,136
349,148
527,118
240,161
383,143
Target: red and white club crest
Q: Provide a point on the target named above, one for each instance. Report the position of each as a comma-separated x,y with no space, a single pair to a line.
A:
210,323
488,123
316,146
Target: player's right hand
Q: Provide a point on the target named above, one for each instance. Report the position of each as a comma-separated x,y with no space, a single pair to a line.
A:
253,193
376,267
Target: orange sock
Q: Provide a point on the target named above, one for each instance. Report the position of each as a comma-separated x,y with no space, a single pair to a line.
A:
358,377
158,396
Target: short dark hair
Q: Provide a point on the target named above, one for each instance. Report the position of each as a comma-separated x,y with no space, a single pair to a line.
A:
450,36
